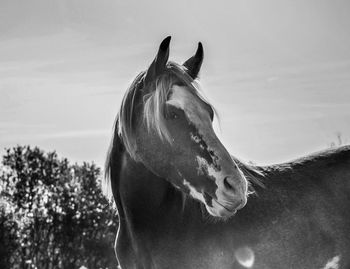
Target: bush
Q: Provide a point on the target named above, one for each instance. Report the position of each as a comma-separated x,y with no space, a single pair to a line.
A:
53,214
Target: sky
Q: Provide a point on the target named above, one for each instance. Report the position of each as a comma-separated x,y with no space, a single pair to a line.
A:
277,71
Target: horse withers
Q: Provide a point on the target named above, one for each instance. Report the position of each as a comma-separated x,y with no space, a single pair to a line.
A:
182,198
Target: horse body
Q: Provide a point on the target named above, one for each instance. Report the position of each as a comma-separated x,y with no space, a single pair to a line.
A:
183,200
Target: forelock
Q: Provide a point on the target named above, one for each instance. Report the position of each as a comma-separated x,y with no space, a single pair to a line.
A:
154,102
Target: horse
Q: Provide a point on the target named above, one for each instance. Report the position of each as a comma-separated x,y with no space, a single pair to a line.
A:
185,202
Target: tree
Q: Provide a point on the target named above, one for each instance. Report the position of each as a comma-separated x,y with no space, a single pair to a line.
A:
53,214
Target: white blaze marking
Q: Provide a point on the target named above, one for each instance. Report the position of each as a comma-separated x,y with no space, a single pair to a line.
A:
195,138
205,167
193,192
182,98
333,263
179,97
245,256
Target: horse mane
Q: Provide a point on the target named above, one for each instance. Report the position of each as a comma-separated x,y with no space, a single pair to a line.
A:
328,157
331,156
253,173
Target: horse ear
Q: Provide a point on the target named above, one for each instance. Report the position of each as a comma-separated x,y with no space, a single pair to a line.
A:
158,64
194,63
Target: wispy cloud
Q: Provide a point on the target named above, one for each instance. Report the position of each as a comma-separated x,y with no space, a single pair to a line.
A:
33,135
272,69
74,134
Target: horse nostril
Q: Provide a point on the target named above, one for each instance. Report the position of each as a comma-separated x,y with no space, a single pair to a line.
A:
228,185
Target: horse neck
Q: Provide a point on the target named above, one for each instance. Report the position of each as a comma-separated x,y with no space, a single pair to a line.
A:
143,196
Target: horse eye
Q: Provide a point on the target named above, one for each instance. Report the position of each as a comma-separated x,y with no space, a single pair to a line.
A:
173,115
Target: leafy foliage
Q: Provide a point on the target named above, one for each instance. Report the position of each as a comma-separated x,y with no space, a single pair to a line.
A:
53,214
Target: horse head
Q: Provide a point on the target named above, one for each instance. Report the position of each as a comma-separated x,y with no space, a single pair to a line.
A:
169,129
